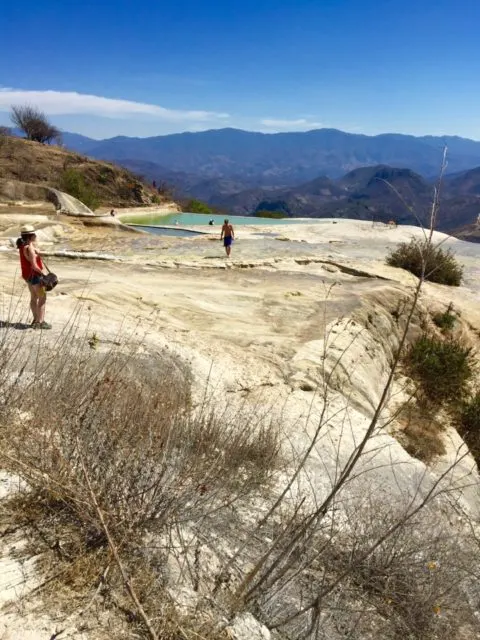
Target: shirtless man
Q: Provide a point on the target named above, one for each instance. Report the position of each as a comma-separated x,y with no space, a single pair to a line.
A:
227,236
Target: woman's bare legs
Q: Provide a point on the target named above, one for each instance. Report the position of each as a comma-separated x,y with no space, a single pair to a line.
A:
33,300
38,298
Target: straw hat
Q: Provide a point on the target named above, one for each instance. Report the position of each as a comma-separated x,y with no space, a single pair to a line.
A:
27,230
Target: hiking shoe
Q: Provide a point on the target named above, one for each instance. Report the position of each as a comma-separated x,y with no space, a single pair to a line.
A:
41,325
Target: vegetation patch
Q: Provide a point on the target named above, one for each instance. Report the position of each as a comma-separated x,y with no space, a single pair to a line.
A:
445,321
112,449
442,368
421,434
196,206
427,261
469,425
73,183
275,215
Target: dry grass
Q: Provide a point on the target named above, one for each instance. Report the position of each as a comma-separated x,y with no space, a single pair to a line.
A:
409,586
413,579
421,433
45,165
120,427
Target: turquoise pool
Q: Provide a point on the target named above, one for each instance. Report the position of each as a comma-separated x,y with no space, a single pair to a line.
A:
195,219
167,231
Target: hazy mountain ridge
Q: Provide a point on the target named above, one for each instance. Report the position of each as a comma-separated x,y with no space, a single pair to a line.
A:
318,173
283,159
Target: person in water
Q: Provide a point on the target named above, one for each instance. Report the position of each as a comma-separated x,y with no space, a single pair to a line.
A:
32,272
227,236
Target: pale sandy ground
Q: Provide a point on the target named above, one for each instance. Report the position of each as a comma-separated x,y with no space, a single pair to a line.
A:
253,328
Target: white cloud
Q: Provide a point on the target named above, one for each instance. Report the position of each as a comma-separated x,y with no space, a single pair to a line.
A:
300,123
71,102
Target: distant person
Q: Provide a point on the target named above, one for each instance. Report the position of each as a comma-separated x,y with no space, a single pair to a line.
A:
176,223
112,212
211,222
32,272
227,236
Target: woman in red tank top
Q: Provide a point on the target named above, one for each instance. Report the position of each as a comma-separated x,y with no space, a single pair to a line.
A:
32,270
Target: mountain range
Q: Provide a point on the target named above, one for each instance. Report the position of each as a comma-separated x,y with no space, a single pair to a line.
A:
281,159
318,173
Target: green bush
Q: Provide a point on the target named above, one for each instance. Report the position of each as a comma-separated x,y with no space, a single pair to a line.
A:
469,425
263,213
442,368
74,184
446,320
196,206
422,258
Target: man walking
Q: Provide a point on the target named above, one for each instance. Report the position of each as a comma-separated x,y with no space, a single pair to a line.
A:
227,236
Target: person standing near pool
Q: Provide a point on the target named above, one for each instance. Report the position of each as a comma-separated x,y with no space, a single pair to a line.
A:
32,272
227,236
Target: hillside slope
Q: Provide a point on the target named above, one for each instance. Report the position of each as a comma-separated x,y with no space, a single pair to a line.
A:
369,193
23,161
470,232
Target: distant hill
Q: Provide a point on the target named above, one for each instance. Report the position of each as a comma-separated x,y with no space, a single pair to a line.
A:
282,159
78,142
470,232
465,183
42,165
371,193
317,173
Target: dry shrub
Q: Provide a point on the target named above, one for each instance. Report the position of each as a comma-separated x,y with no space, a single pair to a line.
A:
122,425
421,433
411,585
131,430
414,577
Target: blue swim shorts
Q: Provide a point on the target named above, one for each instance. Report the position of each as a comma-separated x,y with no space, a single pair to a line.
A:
35,279
227,241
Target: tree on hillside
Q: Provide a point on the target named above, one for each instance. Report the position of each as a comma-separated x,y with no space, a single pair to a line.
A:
196,206
164,189
34,124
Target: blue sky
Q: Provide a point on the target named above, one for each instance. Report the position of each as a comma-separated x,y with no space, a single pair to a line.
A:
120,67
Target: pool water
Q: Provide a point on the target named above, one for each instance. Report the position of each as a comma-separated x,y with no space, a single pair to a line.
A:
195,219
168,231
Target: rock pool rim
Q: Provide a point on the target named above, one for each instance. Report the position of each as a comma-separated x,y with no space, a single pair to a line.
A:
186,220
174,231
